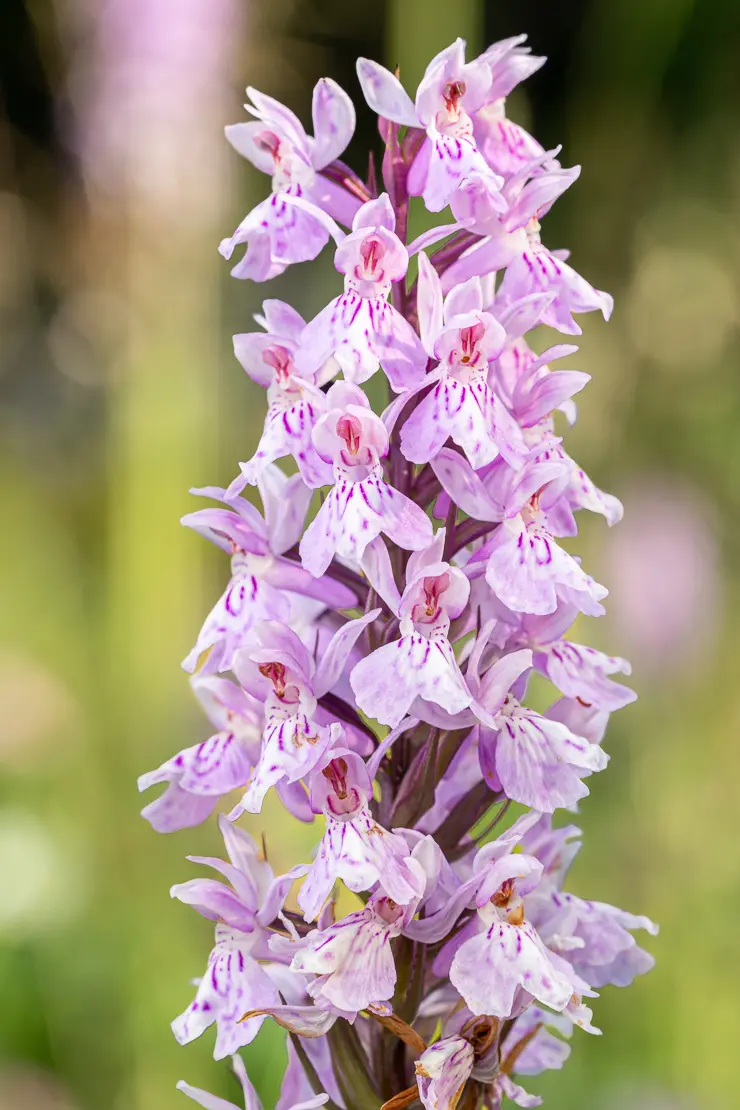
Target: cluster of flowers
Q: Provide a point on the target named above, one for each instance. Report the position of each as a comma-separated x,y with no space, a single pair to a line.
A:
465,962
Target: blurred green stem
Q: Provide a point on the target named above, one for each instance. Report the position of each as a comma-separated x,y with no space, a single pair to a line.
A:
419,29
163,411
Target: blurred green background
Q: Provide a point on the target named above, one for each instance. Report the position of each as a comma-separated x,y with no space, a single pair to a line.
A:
118,391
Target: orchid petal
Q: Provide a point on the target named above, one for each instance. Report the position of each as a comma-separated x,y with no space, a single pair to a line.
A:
376,564
286,502
271,111
385,94
373,764
321,217
462,484
499,679
435,235
234,982
388,682
521,316
337,652
464,298
376,213
333,122
429,304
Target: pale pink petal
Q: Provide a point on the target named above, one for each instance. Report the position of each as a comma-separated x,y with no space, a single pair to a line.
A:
469,414
333,122
286,502
281,319
258,263
335,655
376,565
388,682
216,766
430,556
442,1071
215,901
490,967
360,853
583,494
540,762
451,159
305,210
353,514
294,230
517,1094
246,600
376,213
581,672
464,298
373,764
287,432
538,270
203,1098
528,571
290,576
399,349
249,348
429,304
492,253
538,396
385,94
509,66
291,747
435,235
498,679
444,66
538,196
395,409
505,145
464,486
233,983
272,111
345,330
521,316
177,809
242,138
352,959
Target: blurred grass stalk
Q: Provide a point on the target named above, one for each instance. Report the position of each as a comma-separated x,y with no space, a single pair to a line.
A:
419,29
164,416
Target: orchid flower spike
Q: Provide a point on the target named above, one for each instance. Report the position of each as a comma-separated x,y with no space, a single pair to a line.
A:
366,669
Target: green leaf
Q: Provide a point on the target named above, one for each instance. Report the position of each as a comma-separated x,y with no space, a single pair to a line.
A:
351,1068
416,794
